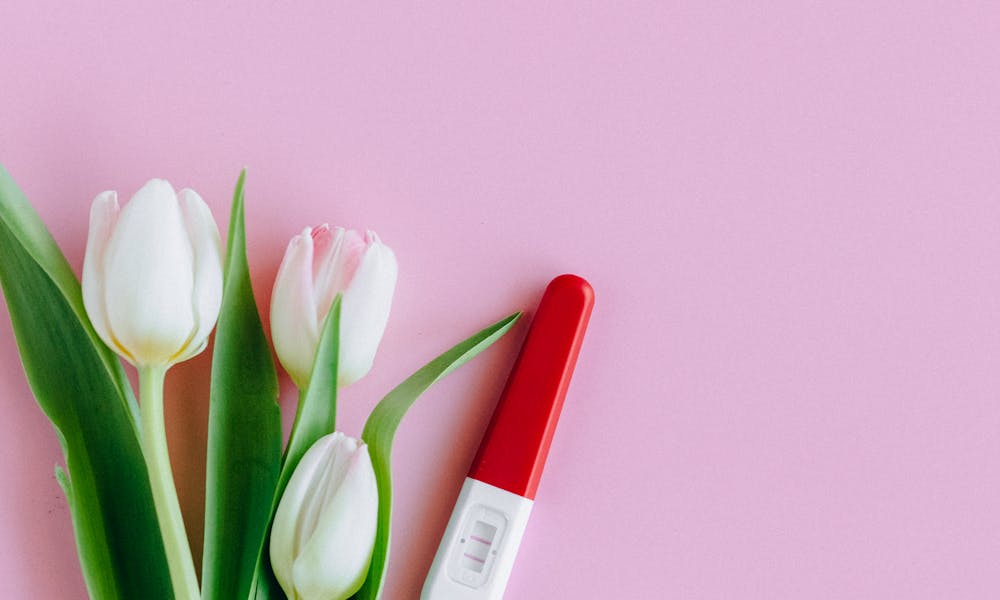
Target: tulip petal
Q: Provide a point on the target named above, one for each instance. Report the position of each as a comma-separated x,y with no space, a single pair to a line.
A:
285,530
316,478
149,277
366,305
338,273
328,242
334,562
325,242
207,247
327,478
103,217
294,328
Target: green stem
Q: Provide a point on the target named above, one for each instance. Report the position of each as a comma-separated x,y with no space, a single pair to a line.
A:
161,480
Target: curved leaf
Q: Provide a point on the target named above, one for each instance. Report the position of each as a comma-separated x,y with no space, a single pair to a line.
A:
315,417
317,412
24,226
380,430
81,387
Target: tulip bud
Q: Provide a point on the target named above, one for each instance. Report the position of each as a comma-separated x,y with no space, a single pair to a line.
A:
323,533
152,274
319,264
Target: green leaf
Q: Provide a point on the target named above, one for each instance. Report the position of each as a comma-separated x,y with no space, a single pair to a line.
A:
381,429
315,417
80,385
244,430
24,226
317,412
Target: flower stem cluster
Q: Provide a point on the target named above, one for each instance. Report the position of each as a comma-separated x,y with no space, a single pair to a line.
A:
152,287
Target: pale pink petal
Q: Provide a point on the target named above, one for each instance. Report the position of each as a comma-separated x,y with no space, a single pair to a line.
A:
324,264
349,258
324,242
350,250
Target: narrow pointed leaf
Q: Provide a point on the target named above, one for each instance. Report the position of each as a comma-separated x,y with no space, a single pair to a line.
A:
24,226
316,416
244,430
380,430
81,387
317,412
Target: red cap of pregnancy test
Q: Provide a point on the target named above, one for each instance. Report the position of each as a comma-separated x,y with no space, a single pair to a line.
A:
515,445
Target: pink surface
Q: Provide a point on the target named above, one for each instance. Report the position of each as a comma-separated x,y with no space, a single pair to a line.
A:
791,384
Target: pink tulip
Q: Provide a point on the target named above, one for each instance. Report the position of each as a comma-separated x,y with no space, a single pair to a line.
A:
319,264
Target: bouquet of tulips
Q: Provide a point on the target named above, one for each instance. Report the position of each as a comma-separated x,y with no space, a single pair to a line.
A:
310,520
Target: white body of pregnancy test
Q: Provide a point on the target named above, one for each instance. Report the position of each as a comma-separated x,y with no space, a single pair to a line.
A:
477,552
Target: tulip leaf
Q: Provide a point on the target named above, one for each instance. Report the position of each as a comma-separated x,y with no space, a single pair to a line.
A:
24,226
244,430
317,412
81,387
380,429
315,417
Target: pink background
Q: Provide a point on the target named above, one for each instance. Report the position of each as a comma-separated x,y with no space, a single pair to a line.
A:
791,216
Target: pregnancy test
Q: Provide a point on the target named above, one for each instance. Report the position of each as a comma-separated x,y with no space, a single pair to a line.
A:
479,546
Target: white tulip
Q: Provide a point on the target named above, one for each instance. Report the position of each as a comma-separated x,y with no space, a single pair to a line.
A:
152,287
319,264
152,274
324,529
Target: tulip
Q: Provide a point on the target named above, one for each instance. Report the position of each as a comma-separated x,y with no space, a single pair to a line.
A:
152,274
319,264
152,287
323,533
